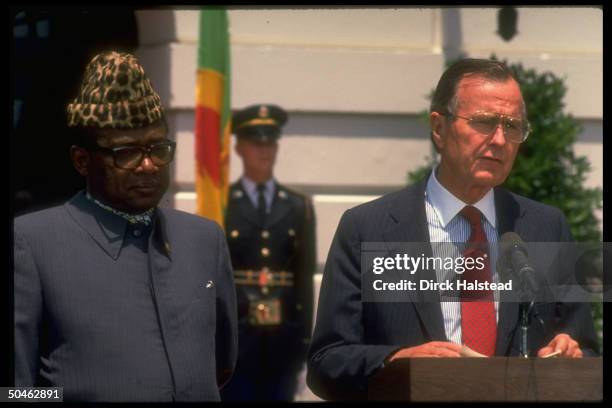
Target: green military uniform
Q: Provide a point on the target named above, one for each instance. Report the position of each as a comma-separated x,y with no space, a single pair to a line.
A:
274,261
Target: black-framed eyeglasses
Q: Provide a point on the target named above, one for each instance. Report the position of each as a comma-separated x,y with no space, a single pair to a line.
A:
515,130
130,157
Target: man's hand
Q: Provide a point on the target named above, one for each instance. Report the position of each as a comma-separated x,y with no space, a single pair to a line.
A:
431,349
563,343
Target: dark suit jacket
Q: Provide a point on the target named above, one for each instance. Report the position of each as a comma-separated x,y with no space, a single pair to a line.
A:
352,338
78,326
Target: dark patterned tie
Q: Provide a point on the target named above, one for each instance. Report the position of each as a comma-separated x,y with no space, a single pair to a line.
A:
478,325
261,203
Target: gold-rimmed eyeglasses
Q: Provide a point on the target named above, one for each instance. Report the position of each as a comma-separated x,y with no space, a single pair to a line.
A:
515,130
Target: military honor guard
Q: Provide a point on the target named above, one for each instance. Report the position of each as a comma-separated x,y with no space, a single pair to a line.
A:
270,233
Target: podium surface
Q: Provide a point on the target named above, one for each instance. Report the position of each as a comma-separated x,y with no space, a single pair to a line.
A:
489,379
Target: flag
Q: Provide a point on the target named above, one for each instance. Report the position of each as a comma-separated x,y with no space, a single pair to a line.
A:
212,115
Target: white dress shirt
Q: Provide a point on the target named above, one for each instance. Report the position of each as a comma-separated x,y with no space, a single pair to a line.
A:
446,225
251,189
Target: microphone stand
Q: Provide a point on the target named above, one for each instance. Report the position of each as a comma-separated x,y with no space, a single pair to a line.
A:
525,308
518,268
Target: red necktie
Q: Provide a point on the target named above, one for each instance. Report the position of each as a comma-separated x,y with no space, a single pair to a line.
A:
478,325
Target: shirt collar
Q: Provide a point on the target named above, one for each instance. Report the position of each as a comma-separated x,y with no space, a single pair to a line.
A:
447,206
251,187
142,218
109,229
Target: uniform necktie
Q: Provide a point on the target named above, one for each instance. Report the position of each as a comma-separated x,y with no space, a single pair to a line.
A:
261,203
478,323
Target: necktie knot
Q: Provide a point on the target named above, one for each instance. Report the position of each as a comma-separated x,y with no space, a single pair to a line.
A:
472,215
261,188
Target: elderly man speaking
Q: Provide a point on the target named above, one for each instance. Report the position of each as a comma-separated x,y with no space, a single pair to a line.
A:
478,121
115,298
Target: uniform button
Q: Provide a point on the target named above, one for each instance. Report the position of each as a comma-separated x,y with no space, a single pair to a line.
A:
137,233
234,234
265,252
265,234
291,232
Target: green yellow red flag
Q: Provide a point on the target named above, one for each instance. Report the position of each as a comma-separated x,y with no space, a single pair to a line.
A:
212,115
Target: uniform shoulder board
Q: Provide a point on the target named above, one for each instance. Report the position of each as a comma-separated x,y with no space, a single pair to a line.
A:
290,192
305,200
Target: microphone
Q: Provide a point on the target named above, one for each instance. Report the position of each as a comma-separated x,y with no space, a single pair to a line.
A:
514,253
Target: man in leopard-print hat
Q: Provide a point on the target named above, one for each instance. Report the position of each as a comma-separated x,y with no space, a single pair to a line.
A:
117,299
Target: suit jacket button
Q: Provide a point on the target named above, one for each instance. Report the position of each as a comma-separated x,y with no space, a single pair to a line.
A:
234,234
265,252
265,234
291,232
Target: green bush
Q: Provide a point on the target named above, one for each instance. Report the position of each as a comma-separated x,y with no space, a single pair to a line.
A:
546,168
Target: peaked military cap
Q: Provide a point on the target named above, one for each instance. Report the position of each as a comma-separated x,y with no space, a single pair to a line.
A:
259,122
115,93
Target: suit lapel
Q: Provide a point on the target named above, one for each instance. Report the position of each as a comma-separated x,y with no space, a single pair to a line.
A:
509,218
280,205
411,226
242,201
408,212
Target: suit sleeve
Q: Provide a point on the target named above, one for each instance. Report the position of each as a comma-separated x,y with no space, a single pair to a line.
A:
28,313
575,318
226,336
339,361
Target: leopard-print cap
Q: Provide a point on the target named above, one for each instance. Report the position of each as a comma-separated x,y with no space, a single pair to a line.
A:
115,93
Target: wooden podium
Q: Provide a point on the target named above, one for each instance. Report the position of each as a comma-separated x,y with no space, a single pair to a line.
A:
489,379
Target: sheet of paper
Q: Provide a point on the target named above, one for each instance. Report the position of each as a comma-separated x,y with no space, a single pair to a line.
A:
553,354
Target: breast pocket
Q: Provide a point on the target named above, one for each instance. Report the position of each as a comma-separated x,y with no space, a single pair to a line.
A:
203,307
